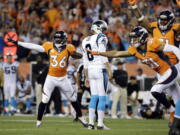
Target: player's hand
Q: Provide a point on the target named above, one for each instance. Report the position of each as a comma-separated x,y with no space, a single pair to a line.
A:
132,50
91,52
13,41
132,2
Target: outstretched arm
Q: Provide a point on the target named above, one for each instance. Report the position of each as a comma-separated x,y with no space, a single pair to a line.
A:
112,54
141,19
32,46
76,55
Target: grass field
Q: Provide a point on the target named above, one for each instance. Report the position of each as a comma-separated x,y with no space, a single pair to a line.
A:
64,126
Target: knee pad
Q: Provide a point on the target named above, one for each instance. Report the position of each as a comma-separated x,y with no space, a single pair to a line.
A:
93,101
45,99
102,103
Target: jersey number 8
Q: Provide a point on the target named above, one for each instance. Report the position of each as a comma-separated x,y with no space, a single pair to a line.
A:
90,56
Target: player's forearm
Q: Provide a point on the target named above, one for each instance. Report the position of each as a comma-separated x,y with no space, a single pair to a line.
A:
78,80
108,68
115,54
141,18
77,55
31,46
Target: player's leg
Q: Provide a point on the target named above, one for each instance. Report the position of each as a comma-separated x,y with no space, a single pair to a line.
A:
6,98
13,99
46,94
175,130
71,94
157,92
101,88
93,102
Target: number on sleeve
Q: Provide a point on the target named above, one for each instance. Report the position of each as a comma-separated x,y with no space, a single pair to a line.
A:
90,57
150,62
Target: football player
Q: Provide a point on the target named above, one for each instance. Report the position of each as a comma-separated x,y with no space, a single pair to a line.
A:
150,52
58,52
164,28
96,69
175,130
10,70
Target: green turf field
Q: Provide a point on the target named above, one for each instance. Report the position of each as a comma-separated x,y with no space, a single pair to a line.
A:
64,126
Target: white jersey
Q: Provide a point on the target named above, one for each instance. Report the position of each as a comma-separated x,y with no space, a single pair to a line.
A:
98,43
10,72
22,88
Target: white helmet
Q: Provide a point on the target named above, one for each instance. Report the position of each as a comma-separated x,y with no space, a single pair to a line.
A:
99,26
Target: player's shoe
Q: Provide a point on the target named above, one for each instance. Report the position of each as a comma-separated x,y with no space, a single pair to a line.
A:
103,128
38,123
83,121
91,127
171,119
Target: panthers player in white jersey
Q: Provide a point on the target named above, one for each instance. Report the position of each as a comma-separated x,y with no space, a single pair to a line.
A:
10,70
96,69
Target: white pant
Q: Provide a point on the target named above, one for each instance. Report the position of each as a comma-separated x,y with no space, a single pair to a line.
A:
63,83
9,90
171,87
98,81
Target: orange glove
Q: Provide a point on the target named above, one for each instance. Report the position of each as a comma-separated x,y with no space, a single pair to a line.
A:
132,2
91,52
132,50
95,53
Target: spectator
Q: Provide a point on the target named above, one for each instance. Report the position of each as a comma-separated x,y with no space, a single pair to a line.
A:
131,88
141,77
121,79
25,94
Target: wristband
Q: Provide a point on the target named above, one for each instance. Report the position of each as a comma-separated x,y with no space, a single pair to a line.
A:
134,7
141,18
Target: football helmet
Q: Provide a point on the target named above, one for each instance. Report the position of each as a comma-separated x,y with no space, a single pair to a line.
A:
165,20
60,38
138,36
99,26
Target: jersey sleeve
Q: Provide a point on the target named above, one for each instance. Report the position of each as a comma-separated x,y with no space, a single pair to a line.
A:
102,44
71,49
47,46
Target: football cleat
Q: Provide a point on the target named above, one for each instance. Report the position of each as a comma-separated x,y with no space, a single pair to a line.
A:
103,128
83,121
91,127
38,123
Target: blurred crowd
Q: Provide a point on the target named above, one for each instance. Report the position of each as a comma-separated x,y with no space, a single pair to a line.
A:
36,20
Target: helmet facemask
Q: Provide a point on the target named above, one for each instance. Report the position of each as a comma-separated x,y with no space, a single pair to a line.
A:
165,20
60,39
